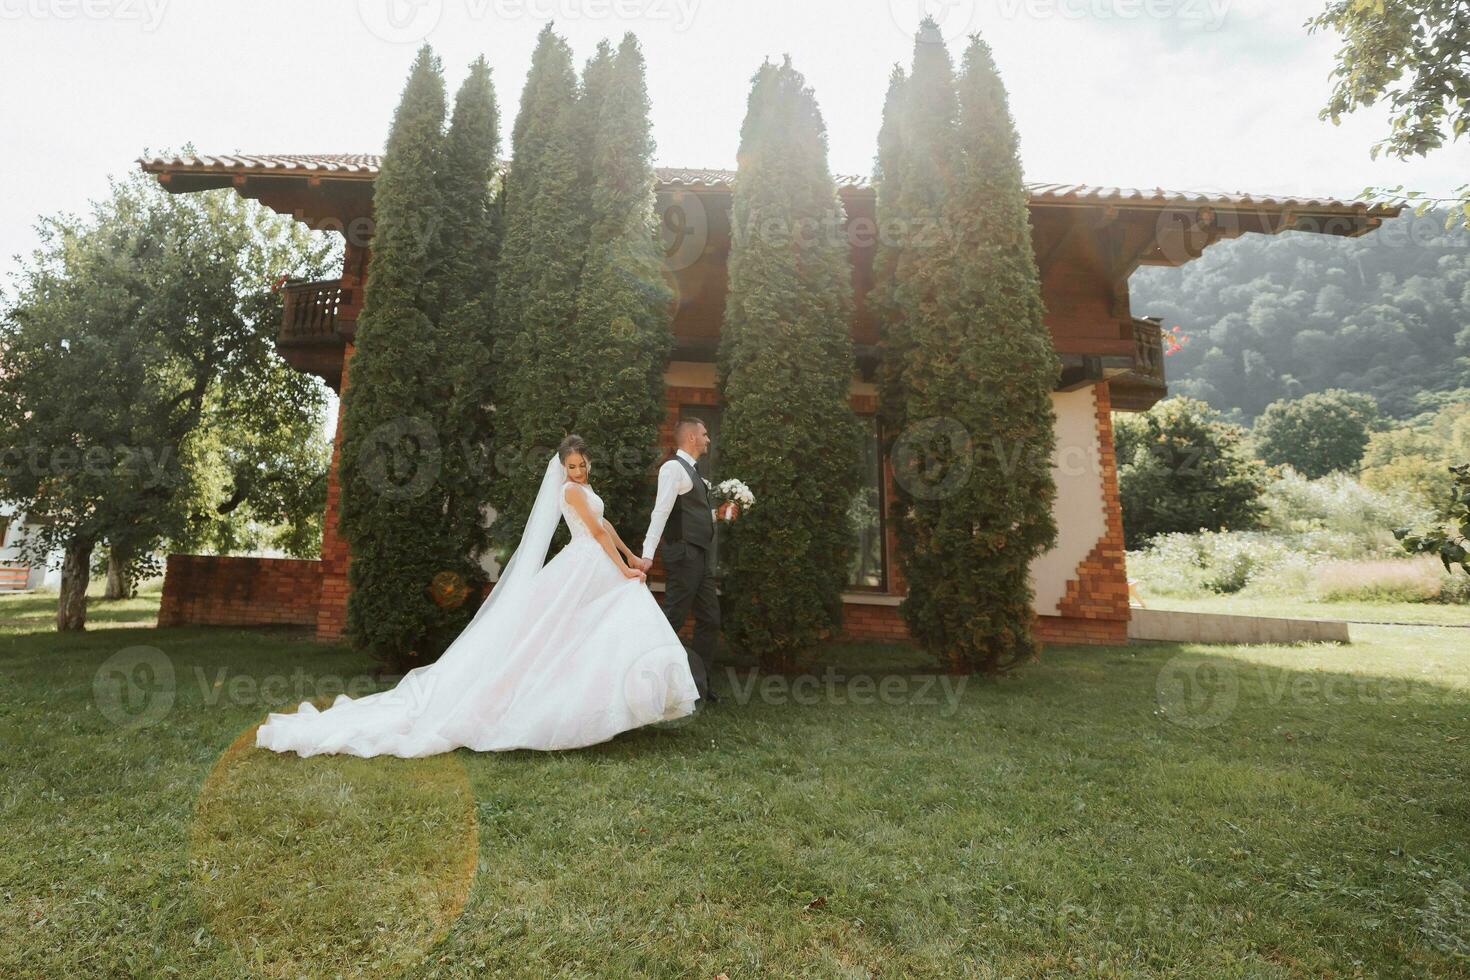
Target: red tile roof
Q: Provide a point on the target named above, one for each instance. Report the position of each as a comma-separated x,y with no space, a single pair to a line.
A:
365,166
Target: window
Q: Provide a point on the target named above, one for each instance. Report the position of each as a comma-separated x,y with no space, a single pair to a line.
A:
865,569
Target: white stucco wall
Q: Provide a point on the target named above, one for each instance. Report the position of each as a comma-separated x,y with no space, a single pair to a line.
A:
1077,467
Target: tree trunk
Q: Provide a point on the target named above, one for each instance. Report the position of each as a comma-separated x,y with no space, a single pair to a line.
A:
117,583
71,610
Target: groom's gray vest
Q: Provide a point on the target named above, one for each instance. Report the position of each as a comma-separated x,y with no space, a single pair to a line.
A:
690,519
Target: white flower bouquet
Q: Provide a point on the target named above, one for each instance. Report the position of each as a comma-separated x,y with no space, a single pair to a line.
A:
731,496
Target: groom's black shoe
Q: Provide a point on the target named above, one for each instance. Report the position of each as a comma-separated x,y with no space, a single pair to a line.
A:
711,697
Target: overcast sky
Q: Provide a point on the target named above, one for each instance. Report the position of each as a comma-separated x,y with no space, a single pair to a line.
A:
1183,94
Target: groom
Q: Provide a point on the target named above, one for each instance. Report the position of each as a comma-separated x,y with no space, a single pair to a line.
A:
684,520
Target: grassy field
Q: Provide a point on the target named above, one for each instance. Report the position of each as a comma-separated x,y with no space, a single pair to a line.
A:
1150,810
1426,613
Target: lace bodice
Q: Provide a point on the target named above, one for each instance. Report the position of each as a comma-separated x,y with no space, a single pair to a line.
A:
574,523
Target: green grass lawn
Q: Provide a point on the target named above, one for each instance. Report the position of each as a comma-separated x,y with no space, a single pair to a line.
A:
1156,810
1428,613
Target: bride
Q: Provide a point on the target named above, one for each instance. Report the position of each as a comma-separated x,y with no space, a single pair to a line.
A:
562,654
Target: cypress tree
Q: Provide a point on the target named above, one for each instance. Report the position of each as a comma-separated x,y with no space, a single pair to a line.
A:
883,298
623,302
539,371
974,462
786,367
597,80
468,242
393,495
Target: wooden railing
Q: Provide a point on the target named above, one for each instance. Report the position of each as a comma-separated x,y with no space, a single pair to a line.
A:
1148,355
311,310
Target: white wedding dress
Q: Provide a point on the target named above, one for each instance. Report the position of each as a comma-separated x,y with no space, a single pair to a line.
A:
562,654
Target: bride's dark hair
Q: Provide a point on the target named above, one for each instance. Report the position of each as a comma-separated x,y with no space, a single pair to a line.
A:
571,444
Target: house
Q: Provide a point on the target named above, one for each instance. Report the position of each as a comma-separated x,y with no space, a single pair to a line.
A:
1088,241
17,573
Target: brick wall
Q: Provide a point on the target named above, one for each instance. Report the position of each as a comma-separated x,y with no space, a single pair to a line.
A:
332,615
240,591
1095,607
223,591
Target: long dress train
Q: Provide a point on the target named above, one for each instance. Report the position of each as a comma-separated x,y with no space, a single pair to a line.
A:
572,654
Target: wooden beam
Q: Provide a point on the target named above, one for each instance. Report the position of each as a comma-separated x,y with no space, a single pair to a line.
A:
1124,259
1094,221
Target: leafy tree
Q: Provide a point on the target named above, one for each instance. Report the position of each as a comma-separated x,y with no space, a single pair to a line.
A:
974,460
1416,55
786,366
1451,542
540,369
1412,457
266,455
1183,468
136,337
397,511
1317,434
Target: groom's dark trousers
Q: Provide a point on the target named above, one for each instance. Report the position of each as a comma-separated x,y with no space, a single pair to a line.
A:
689,585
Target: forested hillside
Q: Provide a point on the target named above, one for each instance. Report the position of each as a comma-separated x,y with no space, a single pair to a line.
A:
1279,317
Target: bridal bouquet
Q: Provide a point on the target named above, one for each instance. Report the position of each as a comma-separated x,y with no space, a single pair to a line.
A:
731,496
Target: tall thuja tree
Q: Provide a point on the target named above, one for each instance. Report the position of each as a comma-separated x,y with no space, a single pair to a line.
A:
539,370
597,82
786,367
882,298
623,302
392,474
917,164
974,458
1010,369
463,316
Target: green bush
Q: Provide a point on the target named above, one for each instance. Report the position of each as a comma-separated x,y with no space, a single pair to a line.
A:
1317,434
1327,538
1182,468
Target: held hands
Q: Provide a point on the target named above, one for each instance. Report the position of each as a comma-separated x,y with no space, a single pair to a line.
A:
637,573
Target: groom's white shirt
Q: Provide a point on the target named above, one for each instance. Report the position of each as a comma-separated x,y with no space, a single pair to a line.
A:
673,480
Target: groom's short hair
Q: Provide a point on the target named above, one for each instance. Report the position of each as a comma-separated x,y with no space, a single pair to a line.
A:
684,426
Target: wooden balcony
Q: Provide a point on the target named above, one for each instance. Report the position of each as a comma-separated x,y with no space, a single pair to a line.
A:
1141,387
317,320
